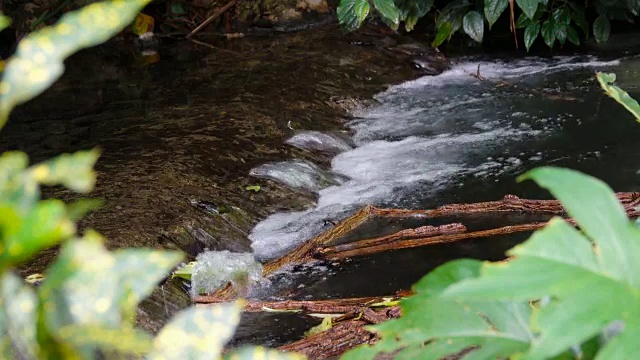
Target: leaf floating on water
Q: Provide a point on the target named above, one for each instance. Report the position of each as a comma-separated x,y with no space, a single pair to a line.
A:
619,95
184,272
326,324
254,188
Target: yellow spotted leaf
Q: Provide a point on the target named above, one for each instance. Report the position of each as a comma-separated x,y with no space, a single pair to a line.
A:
260,353
38,60
142,24
197,333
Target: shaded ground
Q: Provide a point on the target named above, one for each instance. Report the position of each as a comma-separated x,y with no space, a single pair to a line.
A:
179,137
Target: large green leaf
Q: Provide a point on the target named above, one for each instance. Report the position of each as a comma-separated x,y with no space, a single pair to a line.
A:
473,25
17,319
351,13
444,32
17,192
44,226
531,34
260,353
528,7
38,60
619,95
548,31
591,277
497,328
388,10
197,333
493,9
601,28
412,10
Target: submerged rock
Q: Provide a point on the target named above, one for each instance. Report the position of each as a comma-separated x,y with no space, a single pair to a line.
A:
214,269
297,174
319,141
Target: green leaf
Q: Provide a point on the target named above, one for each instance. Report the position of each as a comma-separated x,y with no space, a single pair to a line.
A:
123,340
351,13
326,324
254,188
5,22
411,10
601,28
444,31
528,7
388,10
497,328
579,18
17,319
523,21
74,171
260,353
591,277
46,225
78,209
572,36
139,271
473,25
493,9
202,333
184,272
548,33
530,34
38,60
619,95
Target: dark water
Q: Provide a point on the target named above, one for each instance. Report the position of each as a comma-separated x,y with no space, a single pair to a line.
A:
189,129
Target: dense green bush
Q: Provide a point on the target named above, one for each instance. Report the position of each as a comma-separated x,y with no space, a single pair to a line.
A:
85,307
553,21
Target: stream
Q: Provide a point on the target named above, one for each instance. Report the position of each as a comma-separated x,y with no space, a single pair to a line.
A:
184,139
446,139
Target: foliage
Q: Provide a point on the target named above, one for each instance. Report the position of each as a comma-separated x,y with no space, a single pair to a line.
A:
553,21
619,95
564,293
85,307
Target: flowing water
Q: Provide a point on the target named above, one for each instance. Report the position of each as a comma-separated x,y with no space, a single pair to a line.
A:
455,138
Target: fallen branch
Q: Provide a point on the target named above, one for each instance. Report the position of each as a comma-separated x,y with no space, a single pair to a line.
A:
212,17
331,306
342,336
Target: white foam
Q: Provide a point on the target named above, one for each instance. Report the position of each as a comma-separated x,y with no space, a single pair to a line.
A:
425,136
297,174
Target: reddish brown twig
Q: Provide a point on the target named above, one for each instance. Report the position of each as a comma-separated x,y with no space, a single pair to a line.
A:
212,17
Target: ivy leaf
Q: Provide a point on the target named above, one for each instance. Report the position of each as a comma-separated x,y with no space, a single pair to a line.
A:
528,7
523,21
548,33
444,31
493,9
203,332
388,10
564,265
351,13
260,353
606,82
473,25
601,28
38,60
572,36
530,34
